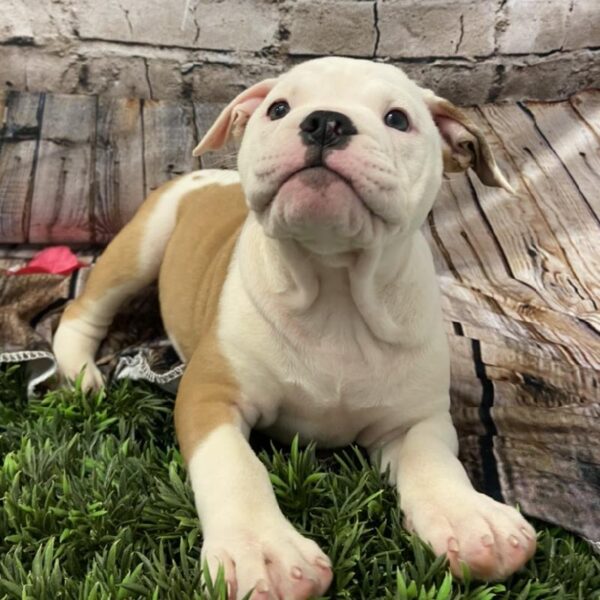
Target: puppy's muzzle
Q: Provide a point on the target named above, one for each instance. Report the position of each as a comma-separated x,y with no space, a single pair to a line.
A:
326,129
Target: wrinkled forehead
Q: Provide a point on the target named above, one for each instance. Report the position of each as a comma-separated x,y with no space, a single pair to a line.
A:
342,81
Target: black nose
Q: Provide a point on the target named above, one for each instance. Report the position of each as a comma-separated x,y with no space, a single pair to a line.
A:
326,128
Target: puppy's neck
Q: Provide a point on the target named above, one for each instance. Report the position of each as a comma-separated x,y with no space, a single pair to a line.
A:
297,279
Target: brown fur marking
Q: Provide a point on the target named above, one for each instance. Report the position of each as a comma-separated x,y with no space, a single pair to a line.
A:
192,275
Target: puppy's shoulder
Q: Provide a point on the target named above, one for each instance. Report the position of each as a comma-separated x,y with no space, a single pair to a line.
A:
215,192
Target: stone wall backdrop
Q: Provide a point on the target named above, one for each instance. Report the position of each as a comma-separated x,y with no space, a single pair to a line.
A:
471,51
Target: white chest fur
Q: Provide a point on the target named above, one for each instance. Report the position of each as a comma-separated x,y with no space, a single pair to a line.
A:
310,361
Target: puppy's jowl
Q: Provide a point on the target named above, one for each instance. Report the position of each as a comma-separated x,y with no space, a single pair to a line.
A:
301,294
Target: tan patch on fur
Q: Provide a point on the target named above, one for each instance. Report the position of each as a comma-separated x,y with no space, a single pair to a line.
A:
207,396
193,272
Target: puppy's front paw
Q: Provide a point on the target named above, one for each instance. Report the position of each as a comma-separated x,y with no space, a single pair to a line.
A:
493,539
277,562
74,351
92,377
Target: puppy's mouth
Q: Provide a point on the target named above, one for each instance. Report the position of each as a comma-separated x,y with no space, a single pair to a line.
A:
318,176
316,172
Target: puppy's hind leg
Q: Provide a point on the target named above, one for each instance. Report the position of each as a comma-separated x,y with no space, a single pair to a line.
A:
129,263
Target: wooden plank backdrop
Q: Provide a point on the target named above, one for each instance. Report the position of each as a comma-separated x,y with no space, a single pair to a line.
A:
64,176
520,275
20,141
169,139
73,169
119,178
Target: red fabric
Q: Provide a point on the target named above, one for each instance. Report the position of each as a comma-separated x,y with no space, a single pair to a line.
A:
58,260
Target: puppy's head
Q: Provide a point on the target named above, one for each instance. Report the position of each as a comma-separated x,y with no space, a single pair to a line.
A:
340,153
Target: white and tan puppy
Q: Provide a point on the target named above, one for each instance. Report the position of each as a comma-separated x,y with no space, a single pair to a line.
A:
302,296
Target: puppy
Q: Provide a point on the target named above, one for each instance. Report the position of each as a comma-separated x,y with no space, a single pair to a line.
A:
301,295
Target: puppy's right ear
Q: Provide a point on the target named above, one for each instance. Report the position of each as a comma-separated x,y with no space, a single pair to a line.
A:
234,117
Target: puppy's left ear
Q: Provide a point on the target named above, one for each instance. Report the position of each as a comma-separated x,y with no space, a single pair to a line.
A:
463,143
234,117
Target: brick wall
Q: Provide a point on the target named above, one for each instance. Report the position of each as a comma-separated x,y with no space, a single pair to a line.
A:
471,51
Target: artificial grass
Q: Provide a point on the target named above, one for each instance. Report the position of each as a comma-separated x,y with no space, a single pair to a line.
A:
95,504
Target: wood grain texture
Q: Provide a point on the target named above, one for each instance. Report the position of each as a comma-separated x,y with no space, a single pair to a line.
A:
575,144
572,266
64,180
169,139
19,139
119,166
587,105
3,97
511,276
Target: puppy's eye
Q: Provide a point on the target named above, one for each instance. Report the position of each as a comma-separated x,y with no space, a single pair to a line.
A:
397,119
278,110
